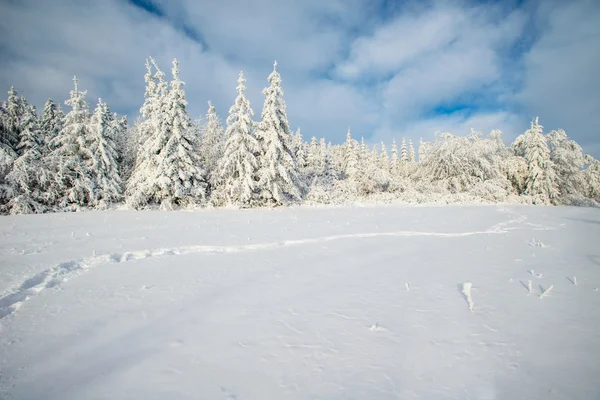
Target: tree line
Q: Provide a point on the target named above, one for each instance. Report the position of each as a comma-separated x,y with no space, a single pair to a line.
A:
81,159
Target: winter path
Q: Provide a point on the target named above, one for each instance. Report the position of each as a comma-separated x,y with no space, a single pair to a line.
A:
52,277
301,303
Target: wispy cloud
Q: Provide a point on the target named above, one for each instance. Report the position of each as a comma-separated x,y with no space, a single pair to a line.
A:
408,69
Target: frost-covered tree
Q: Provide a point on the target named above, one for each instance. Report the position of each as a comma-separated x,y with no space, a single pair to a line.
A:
181,178
73,184
168,167
312,157
459,163
212,143
423,147
403,152
29,178
145,142
541,180
51,123
592,178
120,128
324,151
103,150
568,162
384,159
350,157
278,181
236,182
322,187
14,110
412,157
300,150
394,161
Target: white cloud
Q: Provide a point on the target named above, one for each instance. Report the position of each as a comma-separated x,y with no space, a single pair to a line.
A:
561,82
341,66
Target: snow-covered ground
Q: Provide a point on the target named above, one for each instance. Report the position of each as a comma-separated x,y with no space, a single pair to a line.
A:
301,303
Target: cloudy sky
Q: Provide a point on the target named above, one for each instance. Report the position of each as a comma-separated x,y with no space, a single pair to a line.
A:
383,68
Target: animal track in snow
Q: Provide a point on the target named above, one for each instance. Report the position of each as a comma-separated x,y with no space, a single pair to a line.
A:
54,276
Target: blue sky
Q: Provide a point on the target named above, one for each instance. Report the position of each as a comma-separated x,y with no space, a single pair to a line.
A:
386,69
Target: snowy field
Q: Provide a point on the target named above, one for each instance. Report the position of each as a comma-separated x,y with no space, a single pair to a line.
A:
301,303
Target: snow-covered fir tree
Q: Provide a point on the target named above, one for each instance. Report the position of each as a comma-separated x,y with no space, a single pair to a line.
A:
212,143
422,149
278,181
104,155
168,168
541,182
324,151
142,144
52,123
394,160
237,169
180,176
591,175
350,157
412,157
120,128
322,187
384,159
404,152
300,150
14,109
29,178
73,184
568,163
312,157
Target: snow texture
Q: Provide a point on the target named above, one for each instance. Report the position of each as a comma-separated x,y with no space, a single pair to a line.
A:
301,303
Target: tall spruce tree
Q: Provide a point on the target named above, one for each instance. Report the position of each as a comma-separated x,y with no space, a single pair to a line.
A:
103,149
73,184
278,181
29,178
212,143
181,177
51,124
236,181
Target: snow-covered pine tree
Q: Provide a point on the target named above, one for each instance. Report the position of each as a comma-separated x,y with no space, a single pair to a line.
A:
141,151
29,178
394,161
7,158
404,152
73,185
412,157
51,124
350,157
103,150
168,170
278,181
541,181
423,146
592,178
14,108
384,159
568,162
300,150
323,186
363,153
324,150
312,157
236,182
212,143
180,177
120,127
